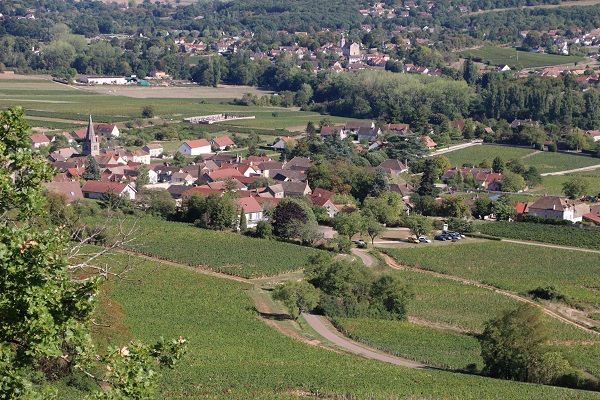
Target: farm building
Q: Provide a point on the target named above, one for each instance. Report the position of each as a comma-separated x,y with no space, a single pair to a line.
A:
97,189
104,80
195,147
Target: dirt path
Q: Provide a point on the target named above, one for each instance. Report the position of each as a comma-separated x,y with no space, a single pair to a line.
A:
554,246
393,264
590,168
329,333
366,259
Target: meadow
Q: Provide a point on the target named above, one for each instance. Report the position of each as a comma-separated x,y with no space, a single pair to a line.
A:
553,234
515,267
224,252
500,56
232,354
552,185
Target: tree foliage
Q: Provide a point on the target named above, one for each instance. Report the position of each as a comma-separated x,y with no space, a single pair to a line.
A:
298,297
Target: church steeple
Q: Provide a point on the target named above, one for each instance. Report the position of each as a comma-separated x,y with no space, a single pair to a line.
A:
90,145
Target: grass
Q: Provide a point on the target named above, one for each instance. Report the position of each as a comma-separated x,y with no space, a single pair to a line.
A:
552,162
515,267
495,55
225,252
233,354
552,185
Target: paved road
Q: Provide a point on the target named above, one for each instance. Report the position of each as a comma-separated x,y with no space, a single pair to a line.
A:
590,168
325,331
453,148
366,259
554,246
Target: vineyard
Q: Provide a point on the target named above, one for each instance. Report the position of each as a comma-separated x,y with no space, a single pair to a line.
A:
515,267
560,235
233,354
442,348
220,251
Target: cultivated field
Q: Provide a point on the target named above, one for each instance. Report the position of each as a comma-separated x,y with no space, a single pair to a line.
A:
552,185
233,354
220,251
176,92
515,267
508,56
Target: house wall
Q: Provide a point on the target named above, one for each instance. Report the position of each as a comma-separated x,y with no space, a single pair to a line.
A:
556,214
185,149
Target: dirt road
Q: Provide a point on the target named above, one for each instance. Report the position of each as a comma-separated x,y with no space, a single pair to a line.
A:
590,168
326,330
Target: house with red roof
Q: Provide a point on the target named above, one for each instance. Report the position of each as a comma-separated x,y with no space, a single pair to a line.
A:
97,189
252,210
594,134
39,139
222,142
324,198
428,142
195,147
70,189
332,130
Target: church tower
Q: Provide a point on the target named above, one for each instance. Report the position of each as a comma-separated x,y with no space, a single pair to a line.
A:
90,145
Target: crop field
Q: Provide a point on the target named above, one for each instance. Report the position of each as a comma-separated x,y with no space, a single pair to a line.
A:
508,56
232,354
442,348
51,101
514,267
220,251
559,235
552,162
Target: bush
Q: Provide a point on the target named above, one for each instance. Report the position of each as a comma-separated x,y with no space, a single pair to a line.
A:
547,221
547,293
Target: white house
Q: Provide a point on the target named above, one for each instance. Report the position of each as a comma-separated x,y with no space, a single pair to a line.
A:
154,149
140,156
252,210
97,189
559,208
195,147
107,130
280,144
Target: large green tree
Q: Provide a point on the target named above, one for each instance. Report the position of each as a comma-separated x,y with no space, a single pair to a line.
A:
298,297
46,310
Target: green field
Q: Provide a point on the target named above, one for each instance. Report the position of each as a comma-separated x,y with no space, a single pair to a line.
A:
53,104
232,354
552,185
515,267
553,234
500,56
442,348
225,252
543,161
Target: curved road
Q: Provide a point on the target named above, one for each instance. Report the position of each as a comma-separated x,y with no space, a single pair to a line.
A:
327,333
366,259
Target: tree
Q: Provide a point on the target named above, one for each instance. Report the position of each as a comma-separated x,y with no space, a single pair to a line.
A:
575,188
498,165
92,169
511,344
511,182
419,225
148,111
373,228
44,308
289,216
264,230
470,72
503,208
386,208
178,159
380,182
243,222
427,183
482,207
142,178
158,202
454,206
348,224
218,212
297,296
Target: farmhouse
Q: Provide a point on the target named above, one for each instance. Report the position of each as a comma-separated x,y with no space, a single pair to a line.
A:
559,208
39,139
195,147
154,149
253,210
97,190
222,142
70,189
107,130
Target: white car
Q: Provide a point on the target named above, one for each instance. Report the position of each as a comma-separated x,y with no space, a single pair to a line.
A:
423,239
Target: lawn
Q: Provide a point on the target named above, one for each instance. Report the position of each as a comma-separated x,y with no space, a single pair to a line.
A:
552,185
495,55
232,354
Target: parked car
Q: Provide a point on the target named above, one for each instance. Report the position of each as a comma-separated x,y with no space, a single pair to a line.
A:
455,235
423,239
360,243
413,240
443,238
